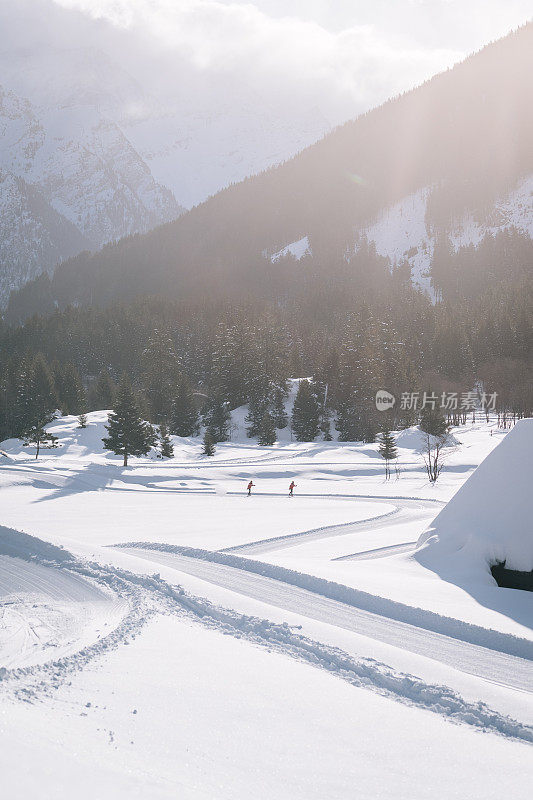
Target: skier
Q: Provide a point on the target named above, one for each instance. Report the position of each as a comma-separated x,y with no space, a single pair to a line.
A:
291,488
250,488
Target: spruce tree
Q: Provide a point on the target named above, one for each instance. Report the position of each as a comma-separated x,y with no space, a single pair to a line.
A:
325,427
184,414
231,362
257,408
82,421
217,418
36,397
433,421
280,415
44,395
38,436
267,430
387,449
356,421
129,435
166,448
305,414
104,391
72,393
57,376
161,370
209,443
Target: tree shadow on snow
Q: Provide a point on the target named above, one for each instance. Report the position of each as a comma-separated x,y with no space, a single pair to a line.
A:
101,477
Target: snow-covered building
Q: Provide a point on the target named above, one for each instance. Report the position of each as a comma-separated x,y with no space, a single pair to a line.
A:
488,524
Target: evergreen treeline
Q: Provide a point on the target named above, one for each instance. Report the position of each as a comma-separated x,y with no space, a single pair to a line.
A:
190,364
505,258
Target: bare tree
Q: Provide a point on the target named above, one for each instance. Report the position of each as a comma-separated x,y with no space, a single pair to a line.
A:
433,454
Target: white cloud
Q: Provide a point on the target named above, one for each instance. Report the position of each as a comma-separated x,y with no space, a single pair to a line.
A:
284,56
342,56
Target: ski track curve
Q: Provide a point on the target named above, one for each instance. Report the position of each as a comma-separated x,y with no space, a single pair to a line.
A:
408,509
46,612
290,539
497,657
147,595
378,552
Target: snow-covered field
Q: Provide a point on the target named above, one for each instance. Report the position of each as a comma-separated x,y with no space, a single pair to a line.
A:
162,635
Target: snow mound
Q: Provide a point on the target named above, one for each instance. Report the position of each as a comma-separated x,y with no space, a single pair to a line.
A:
415,439
489,519
72,440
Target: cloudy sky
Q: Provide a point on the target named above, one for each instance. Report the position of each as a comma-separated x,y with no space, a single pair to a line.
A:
342,56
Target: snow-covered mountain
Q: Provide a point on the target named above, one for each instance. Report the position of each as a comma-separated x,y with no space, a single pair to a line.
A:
196,141
403,231
111,159
70,180
196,151
33,236
451,158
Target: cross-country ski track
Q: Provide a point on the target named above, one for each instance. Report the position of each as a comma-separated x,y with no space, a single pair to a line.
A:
405,509
147,595
490,662
100,607
378,552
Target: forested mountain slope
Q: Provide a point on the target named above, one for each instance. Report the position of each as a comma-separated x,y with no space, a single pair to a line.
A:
463,138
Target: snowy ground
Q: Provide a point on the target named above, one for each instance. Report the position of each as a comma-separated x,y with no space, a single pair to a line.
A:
267,646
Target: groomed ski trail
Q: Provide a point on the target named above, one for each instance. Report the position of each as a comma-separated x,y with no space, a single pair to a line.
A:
378,552
151,594
406,509
488,654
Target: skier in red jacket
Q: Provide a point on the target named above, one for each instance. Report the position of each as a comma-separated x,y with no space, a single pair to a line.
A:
291,488
250,488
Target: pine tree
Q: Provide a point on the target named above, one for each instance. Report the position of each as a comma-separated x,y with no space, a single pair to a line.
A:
44,395
166,448
104,391
432,420
82,421
38,436
36,397
305,414
267,431
72,393
387,449
325,427
23,405
8,398
231,362
129,435
257,408
281,419
351,380
57,376
217,418
209,443
184,414
161,370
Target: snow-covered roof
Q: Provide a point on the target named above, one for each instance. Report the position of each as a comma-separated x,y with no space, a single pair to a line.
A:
490,519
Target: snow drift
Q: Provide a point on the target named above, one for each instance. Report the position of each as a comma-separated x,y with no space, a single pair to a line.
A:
488,521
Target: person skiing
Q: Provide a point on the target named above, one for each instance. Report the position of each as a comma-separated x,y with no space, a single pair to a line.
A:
291,488
250,488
